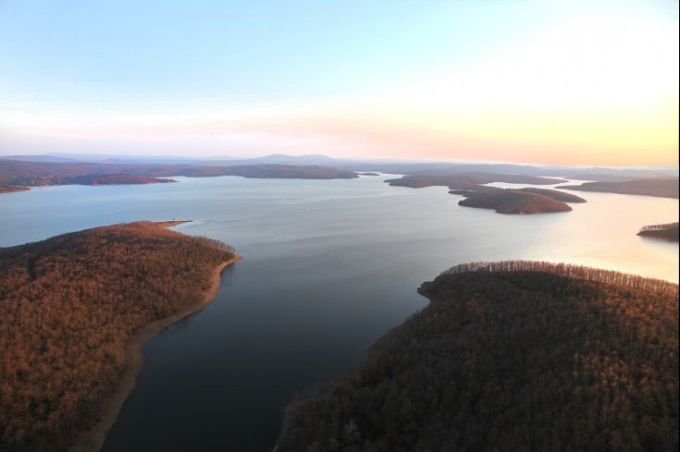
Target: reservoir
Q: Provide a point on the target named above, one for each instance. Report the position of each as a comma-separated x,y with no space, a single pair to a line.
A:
329,266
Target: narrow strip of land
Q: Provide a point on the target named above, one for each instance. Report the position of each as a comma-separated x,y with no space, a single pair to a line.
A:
134,358
71,356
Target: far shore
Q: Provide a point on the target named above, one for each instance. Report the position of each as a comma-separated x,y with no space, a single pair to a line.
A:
93,439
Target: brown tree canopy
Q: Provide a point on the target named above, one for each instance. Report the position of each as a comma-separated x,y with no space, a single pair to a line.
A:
14,173
669,231
68,306
518,356
664,187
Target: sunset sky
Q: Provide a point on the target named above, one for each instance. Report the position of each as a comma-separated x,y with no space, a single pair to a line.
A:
563,82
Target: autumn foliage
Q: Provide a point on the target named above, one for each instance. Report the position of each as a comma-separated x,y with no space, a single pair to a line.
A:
522,356
68,306
669,231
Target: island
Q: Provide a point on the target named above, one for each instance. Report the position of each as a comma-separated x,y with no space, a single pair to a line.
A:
115,179
554,194
467,180
517,201
510,356
667,231
75,311
472,186
16,173
665,187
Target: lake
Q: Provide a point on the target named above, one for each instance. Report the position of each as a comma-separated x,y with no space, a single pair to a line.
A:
329,266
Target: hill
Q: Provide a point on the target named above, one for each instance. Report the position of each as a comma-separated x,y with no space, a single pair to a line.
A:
116,179
510,356
29,173
69,307
511,201
466,180
554,194
668,231
660,187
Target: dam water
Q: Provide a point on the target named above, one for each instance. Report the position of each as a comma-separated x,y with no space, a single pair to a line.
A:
329,266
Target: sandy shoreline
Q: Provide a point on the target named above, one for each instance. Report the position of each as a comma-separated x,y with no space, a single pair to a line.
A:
93,439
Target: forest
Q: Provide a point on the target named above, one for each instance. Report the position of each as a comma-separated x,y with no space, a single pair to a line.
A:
513,201
522,356
69,305
669,231
664,187
471,180
472,186
15,173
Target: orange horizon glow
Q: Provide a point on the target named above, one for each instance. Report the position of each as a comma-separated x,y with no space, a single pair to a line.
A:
592,88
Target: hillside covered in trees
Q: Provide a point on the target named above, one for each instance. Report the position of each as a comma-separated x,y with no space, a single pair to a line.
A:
68,307
669,231
528,200
467,180
665,187
524,356
517,201
16,173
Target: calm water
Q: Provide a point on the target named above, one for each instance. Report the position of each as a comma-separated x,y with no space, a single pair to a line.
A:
329,267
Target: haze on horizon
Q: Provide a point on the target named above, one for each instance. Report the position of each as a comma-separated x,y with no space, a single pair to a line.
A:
582,83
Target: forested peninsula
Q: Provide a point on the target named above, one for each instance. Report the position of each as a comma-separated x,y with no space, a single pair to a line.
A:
666,187
74,312
467,180
517,201
472,186
527,356
668,231
16,175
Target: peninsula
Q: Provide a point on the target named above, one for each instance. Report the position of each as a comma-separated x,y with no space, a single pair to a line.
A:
510,356
667,231
11,188
467,180
509,201
517,201
666,187
16,174
75,310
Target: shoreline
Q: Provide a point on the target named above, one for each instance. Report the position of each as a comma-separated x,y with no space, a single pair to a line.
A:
93,439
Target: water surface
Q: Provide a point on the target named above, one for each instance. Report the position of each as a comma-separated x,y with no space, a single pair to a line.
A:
329,267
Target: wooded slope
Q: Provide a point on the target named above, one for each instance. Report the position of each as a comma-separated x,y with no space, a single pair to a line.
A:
661,187
515,356
25,174
669,231
69,305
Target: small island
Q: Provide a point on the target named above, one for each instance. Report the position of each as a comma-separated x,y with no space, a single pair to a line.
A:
116,179
467,180
554,194
666,187
667,231
524,201
510,356
473,187
75,311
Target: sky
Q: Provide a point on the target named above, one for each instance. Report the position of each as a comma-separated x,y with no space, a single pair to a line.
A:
546,82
